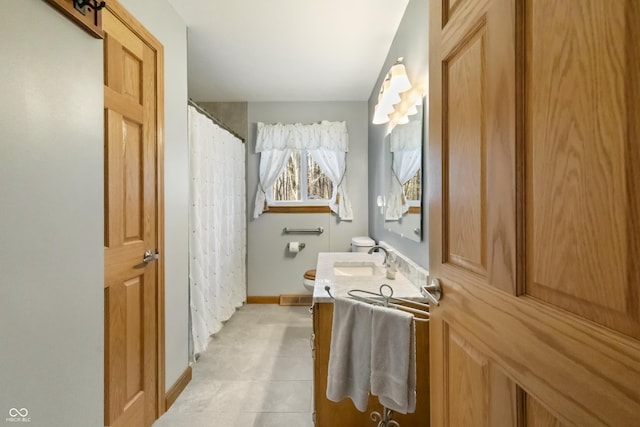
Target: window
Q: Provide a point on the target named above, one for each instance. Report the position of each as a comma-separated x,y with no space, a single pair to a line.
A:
306,180
412,189
301,182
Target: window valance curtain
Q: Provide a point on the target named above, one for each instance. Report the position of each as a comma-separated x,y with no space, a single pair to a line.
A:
326,142
407,137
327,135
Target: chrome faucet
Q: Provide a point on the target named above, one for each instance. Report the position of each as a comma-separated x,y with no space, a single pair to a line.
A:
386,253
389,261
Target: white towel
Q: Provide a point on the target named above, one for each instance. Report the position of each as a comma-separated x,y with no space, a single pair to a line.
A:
393,359
350,353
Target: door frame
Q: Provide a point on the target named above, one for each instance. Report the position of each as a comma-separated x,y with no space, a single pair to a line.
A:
136,27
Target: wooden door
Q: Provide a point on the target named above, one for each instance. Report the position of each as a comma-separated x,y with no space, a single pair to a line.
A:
534,158
132,286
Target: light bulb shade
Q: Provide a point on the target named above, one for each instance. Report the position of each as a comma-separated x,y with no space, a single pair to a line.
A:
399,81
402,120
384,106
390,98
379,116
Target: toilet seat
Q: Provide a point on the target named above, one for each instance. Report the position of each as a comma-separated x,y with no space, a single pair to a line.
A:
309,279
310,275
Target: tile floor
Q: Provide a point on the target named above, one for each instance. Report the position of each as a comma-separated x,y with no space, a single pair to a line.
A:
257,372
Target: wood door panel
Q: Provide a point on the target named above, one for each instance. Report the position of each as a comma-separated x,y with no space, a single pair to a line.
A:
125,362
125,154
125,262
536,415
112,61
114,353
448,9
466,17
589,376
132,393
580,222
464,164
133,414
561,108
471,378
132,68
133,165
466,378
478,143
114,187
130,322
133,303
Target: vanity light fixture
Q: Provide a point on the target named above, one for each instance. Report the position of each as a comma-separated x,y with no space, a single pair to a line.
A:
386,101
395,83
399,80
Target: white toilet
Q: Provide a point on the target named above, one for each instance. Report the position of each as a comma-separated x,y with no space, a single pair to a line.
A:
362,244
309,279
358,244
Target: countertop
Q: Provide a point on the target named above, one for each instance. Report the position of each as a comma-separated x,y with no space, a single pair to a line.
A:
340,285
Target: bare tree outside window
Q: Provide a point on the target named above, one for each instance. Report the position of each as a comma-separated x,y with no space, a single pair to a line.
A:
320,186
301,180
413,186
287,186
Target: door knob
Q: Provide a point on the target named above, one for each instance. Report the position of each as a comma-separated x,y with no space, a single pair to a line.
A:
150,255
433,291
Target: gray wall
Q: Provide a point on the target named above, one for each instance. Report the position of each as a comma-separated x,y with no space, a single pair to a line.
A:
167,26
233,115
412,43
271,271
51,217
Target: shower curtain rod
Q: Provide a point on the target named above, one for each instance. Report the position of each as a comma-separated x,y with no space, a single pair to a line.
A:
214,120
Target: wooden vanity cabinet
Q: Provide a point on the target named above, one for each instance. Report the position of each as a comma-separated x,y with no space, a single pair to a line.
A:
344,413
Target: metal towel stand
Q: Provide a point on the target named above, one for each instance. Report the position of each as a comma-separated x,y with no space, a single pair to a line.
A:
386,299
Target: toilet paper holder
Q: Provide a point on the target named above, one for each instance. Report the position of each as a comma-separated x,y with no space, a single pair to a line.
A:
301,246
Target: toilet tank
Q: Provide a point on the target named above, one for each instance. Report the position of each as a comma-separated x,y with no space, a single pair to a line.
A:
361,244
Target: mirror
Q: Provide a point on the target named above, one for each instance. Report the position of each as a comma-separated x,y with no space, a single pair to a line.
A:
403,182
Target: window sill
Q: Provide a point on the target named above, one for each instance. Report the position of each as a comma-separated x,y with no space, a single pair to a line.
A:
297,209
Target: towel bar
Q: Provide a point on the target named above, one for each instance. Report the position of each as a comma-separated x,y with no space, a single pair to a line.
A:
318,230
385,298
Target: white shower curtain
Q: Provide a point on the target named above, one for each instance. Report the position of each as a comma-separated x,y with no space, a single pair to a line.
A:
217,237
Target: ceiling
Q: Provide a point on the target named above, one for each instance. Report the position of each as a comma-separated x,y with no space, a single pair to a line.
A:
287,50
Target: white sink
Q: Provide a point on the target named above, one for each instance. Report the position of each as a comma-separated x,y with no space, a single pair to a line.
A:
357,268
